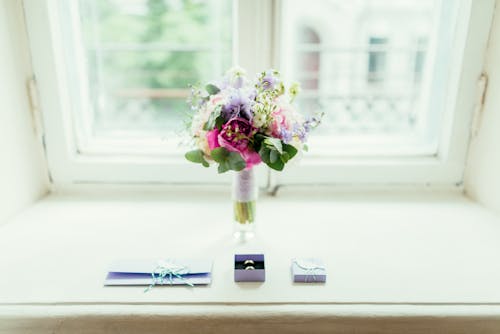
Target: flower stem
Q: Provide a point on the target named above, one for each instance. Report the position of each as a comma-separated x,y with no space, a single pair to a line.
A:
244,212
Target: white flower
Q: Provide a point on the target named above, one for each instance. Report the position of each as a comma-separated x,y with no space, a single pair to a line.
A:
197,124
202,143
294,90
259,120
237,77
236,71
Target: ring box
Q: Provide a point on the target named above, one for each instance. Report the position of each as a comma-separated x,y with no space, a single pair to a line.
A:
242,272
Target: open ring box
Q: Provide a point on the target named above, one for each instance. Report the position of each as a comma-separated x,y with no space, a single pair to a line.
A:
249,268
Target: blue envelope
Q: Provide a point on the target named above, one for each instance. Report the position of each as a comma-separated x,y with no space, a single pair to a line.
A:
167,272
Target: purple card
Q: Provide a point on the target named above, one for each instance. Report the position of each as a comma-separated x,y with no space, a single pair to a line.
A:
139,272
309,270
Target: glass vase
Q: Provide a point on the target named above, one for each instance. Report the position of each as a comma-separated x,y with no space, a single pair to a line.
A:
244,194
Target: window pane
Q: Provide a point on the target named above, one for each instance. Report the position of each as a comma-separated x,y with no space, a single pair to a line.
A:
364,64
141,55
377,55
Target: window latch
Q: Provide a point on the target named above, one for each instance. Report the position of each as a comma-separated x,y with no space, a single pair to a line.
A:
482,87
33,97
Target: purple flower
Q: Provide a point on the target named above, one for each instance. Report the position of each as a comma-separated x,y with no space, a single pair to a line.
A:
310,122
252,94
307,126
286,135
269,80
239,105
236,77
300,131
238,82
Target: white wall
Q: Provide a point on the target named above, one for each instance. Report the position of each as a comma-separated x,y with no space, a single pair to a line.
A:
482,179
23,175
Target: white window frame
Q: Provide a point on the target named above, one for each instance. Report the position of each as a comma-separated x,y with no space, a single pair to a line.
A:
256,48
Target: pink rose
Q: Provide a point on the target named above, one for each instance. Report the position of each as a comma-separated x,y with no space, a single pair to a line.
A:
212,139
278,123
214,99
235,136
252,158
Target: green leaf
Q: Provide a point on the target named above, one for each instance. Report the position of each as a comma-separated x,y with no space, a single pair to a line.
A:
267,156
305,148
290,149
236,162
274,142
264,154
219,154
212,89
196,156
285,157
258,138
277,165
222,168
227,160
212,120
273,156
219,122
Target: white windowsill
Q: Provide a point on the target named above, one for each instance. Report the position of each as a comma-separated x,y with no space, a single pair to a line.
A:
394,255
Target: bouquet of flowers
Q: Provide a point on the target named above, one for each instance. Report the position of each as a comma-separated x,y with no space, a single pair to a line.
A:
238,123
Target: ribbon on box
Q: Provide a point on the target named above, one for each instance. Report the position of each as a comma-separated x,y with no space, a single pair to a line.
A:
166,270
311,269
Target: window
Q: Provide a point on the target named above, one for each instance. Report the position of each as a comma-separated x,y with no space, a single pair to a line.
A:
388,96
377,57
395,81
137,60
419,60
309,61
121,71
366,89
308,66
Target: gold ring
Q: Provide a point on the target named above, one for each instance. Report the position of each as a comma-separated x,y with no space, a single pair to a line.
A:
249,268
248,262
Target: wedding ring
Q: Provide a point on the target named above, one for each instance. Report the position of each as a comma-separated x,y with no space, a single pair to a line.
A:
249,268
248,262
